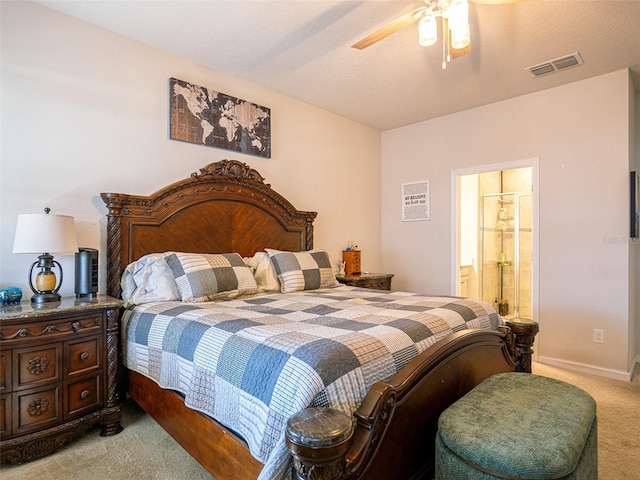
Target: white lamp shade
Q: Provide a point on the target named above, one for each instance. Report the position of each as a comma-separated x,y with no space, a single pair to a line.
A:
45,233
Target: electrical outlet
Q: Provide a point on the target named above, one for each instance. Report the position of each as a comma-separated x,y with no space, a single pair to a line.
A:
598,335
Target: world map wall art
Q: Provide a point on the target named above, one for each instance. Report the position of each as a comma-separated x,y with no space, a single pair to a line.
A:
206,117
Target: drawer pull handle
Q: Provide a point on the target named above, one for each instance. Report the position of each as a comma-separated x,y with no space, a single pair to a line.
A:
84,394
84,356
38,365
38,407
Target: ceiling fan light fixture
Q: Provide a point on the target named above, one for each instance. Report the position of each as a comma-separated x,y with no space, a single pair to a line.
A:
427,31
457,14
454,19
460,37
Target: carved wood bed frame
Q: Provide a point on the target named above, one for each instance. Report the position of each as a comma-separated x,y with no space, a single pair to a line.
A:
227,207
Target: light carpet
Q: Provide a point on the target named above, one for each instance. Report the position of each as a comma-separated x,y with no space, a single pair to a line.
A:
143,451
618,410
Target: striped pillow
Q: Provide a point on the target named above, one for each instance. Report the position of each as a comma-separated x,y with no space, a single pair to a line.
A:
302,270
206,277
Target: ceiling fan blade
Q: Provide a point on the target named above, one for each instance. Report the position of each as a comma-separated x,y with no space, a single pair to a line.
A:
390,28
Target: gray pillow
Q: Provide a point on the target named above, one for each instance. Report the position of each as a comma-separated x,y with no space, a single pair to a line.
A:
205,277
302,270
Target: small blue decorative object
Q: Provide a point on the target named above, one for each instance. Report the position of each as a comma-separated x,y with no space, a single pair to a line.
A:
10,296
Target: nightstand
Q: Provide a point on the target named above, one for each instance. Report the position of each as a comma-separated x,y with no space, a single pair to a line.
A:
58,374
378,281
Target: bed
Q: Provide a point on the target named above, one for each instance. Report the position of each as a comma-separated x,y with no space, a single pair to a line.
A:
227,213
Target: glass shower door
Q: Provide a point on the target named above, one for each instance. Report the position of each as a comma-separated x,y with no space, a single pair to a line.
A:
507,253
498,252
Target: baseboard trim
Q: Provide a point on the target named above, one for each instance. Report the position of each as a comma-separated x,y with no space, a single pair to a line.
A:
584,368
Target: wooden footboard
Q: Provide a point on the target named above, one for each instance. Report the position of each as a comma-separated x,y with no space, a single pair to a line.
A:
396,424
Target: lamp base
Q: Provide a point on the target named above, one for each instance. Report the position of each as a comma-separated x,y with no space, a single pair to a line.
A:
40,298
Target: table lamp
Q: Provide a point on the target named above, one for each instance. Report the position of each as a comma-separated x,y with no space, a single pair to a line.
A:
42,232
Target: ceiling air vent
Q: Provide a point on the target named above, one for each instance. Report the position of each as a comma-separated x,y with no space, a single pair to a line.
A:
555,65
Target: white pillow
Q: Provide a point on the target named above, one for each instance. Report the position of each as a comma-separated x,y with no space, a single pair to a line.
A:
148,279
263,271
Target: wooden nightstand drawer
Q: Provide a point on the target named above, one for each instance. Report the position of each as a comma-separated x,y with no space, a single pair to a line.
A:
51,330
5,372
82,396
37,365
376,281
37,409
378,285
82,356
5,414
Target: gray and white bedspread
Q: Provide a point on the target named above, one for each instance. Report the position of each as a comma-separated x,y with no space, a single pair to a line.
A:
252,362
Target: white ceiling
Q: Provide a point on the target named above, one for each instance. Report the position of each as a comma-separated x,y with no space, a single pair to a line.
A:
302,48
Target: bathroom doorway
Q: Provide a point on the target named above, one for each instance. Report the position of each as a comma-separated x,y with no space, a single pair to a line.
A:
496,237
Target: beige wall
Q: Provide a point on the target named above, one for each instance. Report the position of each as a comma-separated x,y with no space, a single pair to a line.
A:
85,111
580,134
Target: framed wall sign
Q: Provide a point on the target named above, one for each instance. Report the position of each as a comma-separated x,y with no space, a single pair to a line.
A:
416,202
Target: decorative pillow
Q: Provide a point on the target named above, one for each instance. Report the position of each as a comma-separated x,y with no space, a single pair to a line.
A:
263,271
148,279
205,277
302,270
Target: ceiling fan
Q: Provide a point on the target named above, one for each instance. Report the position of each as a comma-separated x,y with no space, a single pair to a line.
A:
454,16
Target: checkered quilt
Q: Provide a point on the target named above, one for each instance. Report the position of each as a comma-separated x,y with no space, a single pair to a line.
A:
254,361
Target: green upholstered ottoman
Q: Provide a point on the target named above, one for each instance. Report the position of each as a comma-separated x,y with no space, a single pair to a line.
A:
519,426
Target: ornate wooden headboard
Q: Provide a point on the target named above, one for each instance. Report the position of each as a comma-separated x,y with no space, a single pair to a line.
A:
225,207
